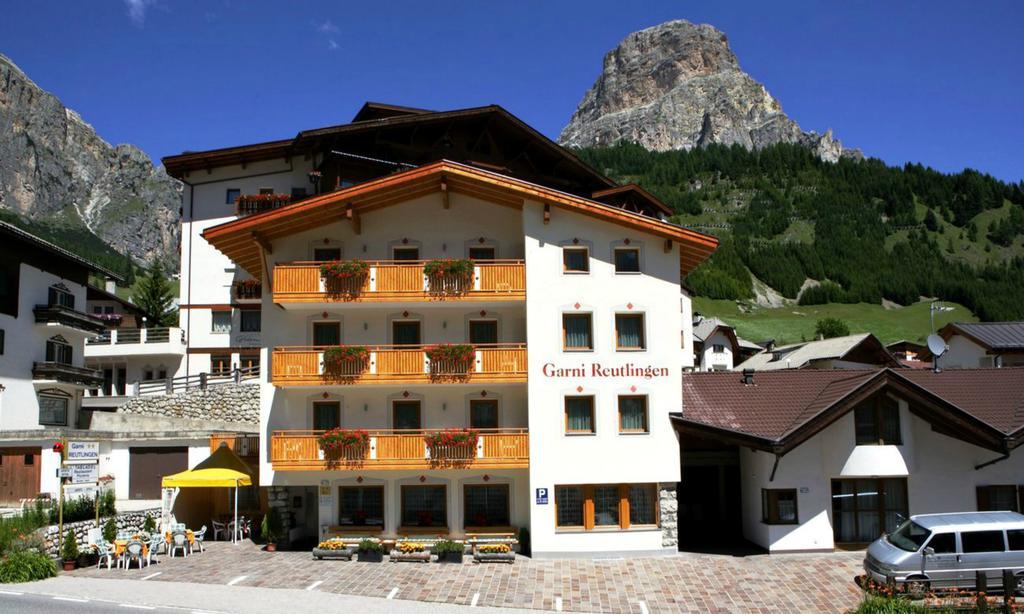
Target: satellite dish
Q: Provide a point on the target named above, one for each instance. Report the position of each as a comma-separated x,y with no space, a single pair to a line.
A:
937,345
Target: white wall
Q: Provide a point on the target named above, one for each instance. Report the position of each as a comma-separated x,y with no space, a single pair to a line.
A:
712,361
965,354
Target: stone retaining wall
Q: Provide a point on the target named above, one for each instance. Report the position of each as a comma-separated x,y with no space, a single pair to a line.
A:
668,505
126,521
238,403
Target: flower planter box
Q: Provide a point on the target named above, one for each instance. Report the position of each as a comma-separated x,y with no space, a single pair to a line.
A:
449,557
70,565
366,556
341,553
495,557
410,557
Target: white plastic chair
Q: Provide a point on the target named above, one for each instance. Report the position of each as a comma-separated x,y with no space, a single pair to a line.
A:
178,542
133,552
154,543
199,536
105,551
219,529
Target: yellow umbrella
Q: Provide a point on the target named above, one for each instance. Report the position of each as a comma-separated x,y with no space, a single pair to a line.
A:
221,469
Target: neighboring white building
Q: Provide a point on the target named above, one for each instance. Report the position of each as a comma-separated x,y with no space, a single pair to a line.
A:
982,344
849,352
572,306
716,347
823,459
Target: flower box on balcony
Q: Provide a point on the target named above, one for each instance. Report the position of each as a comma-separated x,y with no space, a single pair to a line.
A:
346,360
344,444
247,204
449,276
249,289
344,276
451,358
452,444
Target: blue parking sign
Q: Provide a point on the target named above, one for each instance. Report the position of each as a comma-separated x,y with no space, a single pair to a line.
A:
542,496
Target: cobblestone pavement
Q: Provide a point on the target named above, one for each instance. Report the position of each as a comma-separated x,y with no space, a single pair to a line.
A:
684,583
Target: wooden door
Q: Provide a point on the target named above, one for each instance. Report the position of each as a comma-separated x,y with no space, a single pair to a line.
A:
148,466
19,474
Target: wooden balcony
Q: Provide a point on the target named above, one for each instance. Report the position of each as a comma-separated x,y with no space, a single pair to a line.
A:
398,364
245,446
397,281
495,449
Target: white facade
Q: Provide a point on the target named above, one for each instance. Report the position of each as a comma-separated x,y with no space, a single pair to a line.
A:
717,353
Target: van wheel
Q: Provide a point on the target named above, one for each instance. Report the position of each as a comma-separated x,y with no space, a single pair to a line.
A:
1019,584
917,588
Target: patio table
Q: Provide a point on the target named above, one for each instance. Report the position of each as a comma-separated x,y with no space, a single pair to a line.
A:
169,536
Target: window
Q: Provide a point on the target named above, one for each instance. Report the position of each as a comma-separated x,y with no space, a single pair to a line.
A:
326,415
325,254
718,348
405,415
483,331
220,321
220,364
406,253
877,422
486,505
633,414
405,332
863,508
577,331
3,339
629,331
29,460
982,541
482,253
483,414
627,260
53,410
58,350
247,362
361,506
1015,539
606,506
575,260
326,333
231,196
778,506
298,193
59,296
998,498
424,506
108,309
579,414
943,543
250,320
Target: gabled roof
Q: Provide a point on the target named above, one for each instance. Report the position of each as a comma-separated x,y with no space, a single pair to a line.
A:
380,110
633,191
864,347
243,239
99,294
12,232
782,409
993,336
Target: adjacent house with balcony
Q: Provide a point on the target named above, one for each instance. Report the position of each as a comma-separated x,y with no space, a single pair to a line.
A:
463,328
717,347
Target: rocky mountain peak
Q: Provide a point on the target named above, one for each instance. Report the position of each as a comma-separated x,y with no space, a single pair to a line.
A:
678,85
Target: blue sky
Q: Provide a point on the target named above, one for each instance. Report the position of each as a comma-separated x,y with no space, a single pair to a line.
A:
937,82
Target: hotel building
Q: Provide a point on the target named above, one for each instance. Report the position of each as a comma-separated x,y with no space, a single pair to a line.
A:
505,324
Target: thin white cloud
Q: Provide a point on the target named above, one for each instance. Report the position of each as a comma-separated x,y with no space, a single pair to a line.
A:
137,10
332,44
326,27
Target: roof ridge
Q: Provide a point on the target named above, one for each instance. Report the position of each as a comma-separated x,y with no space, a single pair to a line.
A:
801,418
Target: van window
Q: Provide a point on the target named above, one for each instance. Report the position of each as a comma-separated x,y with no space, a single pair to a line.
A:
943,543
909,536
1016,539
982,541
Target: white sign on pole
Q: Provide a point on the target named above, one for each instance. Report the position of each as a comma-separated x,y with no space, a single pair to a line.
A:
84,474
80,490
83,451
64,472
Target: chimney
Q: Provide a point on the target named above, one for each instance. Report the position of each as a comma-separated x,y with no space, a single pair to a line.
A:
110,286
748,377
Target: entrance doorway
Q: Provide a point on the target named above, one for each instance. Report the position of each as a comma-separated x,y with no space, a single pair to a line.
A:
709,496
19,474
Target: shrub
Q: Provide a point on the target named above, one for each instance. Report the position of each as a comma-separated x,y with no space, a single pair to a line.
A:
69,547
20,531
272,527
827,328
884,605
110,530
445,546
26,566
84,508
370,545
149,525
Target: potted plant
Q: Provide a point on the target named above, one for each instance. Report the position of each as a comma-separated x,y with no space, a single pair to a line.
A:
339,442
370,551
448,551
272,528
451,358
110,530
346,360
69,550
452,439
148,524
449,275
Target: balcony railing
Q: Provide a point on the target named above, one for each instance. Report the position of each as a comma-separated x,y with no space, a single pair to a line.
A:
129,336
247,446
398,364
65,316
67,374
401,449
248,290
400,280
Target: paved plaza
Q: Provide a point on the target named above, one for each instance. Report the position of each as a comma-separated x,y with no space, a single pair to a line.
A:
685,582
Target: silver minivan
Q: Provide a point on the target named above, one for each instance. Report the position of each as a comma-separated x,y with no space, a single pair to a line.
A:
946,550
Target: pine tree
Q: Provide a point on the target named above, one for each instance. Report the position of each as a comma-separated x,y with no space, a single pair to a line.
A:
153,295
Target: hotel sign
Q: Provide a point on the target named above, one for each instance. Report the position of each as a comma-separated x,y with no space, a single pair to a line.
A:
596,369
83,451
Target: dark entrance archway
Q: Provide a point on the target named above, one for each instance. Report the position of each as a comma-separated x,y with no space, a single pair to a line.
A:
709,496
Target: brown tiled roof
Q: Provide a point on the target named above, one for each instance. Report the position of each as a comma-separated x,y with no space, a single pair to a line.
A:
791,404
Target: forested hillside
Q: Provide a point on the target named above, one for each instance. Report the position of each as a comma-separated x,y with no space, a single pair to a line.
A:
860,231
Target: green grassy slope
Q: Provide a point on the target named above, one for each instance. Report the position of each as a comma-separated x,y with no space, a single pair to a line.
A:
795,323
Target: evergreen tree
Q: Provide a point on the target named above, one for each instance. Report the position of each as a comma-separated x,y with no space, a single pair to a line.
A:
827,328
153,295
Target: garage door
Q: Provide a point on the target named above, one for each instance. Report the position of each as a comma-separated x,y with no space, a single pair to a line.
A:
19,474
149,466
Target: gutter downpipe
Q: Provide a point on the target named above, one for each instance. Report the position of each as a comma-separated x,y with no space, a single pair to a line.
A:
1005,455
188,325
775,465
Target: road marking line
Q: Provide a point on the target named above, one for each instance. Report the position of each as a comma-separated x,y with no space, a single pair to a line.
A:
643,607
75,599
137,607
558,604
314,585
476,597
237,580
152,575
393,592
10,593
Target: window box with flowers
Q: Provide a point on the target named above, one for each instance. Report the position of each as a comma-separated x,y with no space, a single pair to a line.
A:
414,552
451,358
346,277
452,444
333,549
449,276
344,444
346,360
247,204
248,289
494,553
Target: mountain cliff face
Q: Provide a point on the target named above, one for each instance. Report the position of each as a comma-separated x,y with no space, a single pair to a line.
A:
55,170
678,86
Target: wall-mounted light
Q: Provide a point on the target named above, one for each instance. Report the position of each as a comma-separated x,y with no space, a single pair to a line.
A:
444,323
444,247
444,407
364,249
366,326
366,407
